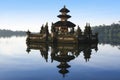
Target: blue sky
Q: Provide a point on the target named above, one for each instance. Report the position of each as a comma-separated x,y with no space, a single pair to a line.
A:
31,14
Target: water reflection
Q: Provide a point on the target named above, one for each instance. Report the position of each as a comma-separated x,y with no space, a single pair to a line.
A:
16,64
63,53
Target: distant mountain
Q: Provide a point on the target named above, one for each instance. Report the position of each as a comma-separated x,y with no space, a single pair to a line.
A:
108,34
10,33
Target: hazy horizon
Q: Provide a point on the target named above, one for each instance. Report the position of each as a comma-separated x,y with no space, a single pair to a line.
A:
31,14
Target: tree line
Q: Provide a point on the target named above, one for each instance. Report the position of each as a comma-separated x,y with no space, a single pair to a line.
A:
108,34
10,33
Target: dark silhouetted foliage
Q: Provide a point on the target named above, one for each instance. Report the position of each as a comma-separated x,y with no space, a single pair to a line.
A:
108,34
10,33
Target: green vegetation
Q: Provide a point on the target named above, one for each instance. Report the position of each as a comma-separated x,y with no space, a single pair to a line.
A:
10,33
108,34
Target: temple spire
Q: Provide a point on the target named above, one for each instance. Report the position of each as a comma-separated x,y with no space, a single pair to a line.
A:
64,6
64,25
63,16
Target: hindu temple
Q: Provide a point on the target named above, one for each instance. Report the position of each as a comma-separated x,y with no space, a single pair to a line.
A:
63,31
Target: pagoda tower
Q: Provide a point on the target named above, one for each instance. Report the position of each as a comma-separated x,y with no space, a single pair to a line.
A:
63,59
63,25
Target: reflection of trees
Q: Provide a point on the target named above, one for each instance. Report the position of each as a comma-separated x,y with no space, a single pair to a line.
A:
9,33
63,53
108,34
114,41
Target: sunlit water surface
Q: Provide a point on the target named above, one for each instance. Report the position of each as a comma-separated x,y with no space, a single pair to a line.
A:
17,64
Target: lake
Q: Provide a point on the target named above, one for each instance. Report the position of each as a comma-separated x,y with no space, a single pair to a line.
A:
39,61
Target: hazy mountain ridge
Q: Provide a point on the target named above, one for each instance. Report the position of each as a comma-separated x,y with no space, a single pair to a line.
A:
10,33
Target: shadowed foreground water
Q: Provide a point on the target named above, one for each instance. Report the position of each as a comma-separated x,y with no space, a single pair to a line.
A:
17,64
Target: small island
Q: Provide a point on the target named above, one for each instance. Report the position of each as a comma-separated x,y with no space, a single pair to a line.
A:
63,32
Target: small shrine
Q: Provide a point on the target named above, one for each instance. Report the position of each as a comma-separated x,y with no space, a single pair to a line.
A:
63,31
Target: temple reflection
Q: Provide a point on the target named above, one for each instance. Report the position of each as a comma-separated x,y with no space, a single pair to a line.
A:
63,53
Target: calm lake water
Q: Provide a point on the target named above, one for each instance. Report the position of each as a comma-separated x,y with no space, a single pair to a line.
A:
87,64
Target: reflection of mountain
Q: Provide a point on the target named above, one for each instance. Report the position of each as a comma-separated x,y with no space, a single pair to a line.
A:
63,53
9,33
